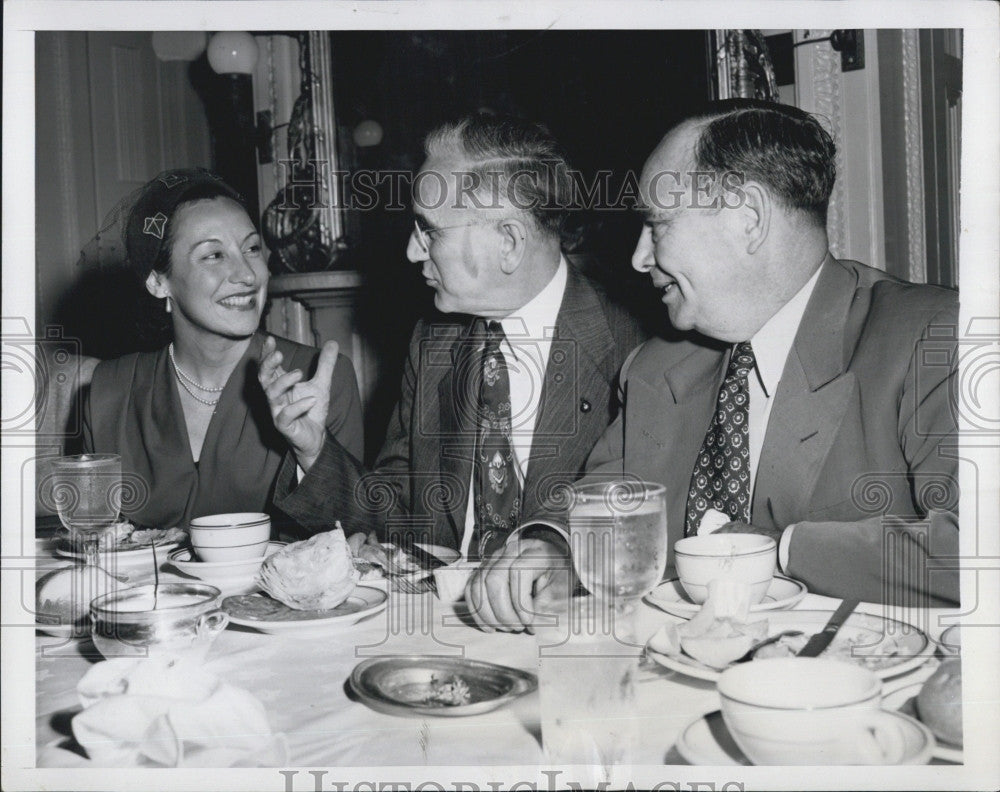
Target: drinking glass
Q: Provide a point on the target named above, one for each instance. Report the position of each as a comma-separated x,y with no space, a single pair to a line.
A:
87,491
588,654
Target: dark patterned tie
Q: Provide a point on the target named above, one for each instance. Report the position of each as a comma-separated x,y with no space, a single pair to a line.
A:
496,488
721,477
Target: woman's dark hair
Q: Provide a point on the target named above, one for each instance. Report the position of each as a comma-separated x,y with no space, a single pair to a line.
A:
777,145
148,233
148,237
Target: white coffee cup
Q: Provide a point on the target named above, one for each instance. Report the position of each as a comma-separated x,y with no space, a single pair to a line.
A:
809,711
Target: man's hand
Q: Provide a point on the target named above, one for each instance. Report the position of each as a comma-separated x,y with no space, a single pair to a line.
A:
516,583
742,527
299,408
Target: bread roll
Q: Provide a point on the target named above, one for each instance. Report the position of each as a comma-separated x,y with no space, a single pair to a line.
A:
316,574
939,702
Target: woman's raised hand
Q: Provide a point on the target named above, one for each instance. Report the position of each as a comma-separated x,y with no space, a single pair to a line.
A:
299,407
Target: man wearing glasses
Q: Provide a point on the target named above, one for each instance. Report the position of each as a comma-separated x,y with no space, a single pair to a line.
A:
505,393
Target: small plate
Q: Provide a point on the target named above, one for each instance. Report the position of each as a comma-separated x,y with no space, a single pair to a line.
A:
403,685
230,577
270,616
904,700
782,594
707,741
873,635
111,558
950,642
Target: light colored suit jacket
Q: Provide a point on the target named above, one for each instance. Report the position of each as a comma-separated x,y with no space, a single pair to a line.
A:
862,426
420,481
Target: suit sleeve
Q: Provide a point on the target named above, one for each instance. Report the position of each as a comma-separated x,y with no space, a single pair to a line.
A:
899,559
339,487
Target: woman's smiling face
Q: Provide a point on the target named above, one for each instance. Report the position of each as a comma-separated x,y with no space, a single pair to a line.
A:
218,277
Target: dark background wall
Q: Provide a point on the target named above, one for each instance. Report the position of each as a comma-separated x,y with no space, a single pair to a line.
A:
607,96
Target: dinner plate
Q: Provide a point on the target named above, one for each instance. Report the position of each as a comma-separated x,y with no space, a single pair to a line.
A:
270,616
885,646
782,594
707,741
110,558
904,700
445,687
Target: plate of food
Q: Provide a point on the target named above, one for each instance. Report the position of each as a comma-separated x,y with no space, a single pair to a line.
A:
407,569
125,544
782,594
440,687
309,588
268,615
885,646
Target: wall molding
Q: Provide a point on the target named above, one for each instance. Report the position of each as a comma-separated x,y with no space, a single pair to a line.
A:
914,152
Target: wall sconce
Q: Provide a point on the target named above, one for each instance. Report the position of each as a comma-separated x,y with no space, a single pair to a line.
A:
368,133
179,45
231,52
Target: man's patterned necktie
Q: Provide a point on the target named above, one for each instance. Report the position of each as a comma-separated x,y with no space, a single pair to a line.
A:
496,489
721,477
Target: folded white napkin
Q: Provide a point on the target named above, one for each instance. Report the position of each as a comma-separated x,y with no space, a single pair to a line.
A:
719,633
171,713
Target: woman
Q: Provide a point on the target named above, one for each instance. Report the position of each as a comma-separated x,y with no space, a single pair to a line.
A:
190,421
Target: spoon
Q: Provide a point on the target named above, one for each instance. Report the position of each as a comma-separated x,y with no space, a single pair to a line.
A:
769,640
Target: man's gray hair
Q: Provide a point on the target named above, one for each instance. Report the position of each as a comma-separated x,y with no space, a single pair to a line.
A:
513,159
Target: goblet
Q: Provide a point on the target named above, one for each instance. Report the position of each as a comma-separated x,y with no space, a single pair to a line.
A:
87,491
588,655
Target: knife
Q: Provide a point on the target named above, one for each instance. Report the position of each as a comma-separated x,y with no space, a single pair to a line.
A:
822,639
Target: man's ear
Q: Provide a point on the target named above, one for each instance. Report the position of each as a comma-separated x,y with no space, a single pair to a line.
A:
755,215
156,285
513,243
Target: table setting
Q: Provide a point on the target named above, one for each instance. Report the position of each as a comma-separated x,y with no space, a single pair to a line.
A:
226,647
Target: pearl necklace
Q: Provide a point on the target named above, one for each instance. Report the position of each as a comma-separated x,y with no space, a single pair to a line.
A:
184,379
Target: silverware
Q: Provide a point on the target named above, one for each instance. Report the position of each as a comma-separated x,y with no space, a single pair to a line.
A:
767,641
821,640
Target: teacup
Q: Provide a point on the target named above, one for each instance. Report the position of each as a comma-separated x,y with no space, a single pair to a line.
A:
809,711
748,558
230,537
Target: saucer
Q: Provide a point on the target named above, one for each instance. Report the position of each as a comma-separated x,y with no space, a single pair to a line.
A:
230,577
412,686
905,701
782,594
707,741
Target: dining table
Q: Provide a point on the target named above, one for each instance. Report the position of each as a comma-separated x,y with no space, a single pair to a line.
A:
302,680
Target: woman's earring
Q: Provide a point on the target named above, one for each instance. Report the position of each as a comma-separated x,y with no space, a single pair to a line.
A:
168,308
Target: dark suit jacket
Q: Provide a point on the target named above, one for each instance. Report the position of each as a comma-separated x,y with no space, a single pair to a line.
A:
861,426
134,409
420,482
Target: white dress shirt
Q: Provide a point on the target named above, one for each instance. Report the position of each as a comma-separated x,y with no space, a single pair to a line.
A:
771,345
528,335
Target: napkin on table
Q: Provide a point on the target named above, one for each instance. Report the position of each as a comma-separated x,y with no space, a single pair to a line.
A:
719,633
171,713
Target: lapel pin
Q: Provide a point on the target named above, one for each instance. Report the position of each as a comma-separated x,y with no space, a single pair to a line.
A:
584,406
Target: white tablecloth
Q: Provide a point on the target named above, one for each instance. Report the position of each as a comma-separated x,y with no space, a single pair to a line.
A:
302,684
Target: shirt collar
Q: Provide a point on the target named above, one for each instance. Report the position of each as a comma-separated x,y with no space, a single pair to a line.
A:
536,318
772,343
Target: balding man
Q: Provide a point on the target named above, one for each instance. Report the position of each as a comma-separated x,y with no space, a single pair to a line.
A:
809,400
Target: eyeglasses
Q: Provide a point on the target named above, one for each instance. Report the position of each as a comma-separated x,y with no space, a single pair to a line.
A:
422,239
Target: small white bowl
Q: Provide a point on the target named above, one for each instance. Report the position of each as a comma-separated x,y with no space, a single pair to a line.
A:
750,558
213,555
229,576
230,537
